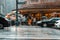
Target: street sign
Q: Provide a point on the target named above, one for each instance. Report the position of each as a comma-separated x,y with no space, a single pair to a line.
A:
21,2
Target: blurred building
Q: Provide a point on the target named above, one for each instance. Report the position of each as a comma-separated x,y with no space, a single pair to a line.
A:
39,8
1,7
6,6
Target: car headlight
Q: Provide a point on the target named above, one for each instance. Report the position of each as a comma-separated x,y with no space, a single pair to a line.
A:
39,22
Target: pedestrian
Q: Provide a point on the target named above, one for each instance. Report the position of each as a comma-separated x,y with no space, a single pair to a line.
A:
29,21
34,21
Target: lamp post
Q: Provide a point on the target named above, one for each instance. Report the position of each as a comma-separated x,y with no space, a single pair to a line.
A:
16,12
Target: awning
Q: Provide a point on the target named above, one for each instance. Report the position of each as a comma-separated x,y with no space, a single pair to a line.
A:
36,10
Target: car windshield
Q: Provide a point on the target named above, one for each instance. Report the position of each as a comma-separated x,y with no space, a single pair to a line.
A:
55,19
2,15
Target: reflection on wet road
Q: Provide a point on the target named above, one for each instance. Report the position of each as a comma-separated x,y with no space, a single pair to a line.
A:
29,33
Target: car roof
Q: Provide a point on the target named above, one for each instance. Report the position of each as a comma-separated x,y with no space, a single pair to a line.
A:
55,18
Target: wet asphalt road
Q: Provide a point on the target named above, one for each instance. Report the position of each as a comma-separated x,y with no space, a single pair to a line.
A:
29,32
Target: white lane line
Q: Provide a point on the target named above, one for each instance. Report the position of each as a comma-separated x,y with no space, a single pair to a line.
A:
31,37
28,37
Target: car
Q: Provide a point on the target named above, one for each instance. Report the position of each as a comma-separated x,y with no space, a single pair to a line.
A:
12,17
47,22
3,22
57,24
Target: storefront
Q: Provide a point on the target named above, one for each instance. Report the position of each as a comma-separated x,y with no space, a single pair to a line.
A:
38,13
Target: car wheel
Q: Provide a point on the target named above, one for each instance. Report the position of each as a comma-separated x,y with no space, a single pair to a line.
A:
1,26
44,25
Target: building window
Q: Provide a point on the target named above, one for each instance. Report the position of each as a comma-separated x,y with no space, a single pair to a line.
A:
49,0
34,0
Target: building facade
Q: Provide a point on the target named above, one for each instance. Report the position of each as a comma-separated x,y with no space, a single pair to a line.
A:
39,8
6,6
1,7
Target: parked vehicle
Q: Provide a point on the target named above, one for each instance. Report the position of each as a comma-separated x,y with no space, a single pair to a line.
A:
57,24
48,22
12,17
3,22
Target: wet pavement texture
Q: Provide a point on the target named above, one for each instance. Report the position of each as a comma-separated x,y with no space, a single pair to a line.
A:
29,32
